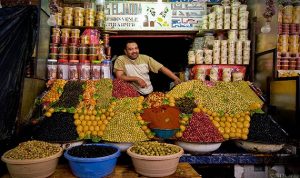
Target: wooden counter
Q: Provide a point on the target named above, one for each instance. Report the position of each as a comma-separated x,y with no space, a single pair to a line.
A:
184,170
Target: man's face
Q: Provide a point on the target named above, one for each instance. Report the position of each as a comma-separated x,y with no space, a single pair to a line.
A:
132,50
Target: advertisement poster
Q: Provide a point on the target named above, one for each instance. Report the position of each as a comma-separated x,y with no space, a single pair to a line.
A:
156,16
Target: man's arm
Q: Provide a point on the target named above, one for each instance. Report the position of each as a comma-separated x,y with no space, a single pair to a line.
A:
120,74
170,74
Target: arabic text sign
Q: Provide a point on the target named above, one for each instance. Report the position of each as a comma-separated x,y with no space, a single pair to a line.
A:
154,16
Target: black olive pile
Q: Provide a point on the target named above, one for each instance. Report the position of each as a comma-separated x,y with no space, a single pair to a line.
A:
264,129
70,96
186,104
91,151
59,127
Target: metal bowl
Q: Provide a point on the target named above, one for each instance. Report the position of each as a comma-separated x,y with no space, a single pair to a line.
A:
258,147
198,148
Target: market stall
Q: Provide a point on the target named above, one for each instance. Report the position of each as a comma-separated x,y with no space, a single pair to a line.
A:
89,119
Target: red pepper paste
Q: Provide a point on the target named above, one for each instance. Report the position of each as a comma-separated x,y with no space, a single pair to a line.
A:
163,117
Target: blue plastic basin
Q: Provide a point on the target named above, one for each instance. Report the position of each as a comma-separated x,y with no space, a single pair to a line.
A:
93,167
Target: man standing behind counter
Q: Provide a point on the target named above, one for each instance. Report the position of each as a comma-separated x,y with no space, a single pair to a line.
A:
135,67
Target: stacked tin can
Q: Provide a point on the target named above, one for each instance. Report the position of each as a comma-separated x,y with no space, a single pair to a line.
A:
58,18
243,17
68,16
234,15
79,16
288,57
100,16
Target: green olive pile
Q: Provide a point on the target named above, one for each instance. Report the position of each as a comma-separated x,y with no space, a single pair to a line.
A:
154,149
124,127
223,97
103,93
32,150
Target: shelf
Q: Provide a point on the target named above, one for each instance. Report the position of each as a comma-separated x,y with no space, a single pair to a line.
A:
80,27
192,65
213,3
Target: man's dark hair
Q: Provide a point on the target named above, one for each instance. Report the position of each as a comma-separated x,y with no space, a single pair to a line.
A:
129,41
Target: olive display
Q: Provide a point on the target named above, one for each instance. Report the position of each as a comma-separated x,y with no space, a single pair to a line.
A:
32,150
154,149
264,129
59,127
124,127
91,151
70,96
185,104
221,97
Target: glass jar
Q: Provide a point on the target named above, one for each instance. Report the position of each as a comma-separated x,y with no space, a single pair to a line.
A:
209,40
106,69
85,70
96,70
73,70
296,12
288,14
63,69
52,69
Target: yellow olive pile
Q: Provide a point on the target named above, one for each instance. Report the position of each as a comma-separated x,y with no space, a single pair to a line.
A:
93,122
154,149
125,125
55,91
32,150
231,126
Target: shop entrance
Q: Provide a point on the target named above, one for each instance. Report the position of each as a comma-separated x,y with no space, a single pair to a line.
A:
170,51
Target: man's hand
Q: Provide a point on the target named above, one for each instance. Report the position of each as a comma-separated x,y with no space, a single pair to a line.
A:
141,82
177,81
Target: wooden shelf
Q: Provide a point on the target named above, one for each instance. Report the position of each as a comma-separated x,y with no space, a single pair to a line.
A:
80,27
192,65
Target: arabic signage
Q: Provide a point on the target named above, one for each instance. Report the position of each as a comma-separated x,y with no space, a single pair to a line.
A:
144,16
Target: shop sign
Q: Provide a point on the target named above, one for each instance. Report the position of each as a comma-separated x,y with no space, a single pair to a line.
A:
156,16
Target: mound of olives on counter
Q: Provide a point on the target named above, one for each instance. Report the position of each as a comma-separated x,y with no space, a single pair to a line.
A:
154,149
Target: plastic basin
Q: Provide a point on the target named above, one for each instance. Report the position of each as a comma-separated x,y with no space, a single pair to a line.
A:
155,166
93,167
32,168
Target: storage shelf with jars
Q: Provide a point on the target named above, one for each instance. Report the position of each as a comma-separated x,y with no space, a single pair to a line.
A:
222,43
288,55
79,48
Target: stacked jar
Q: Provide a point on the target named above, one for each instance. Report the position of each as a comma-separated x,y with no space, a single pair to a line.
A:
231,51
78,16
106,46
212,20
216,51
100,16
219,16
96,70
234,15
68,16
65,35
227,17
58,18
224,51
296,12
239,52
191,57
199,58
246,52
89,17
243,17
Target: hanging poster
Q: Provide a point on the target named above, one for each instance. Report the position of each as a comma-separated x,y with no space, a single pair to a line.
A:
156,16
